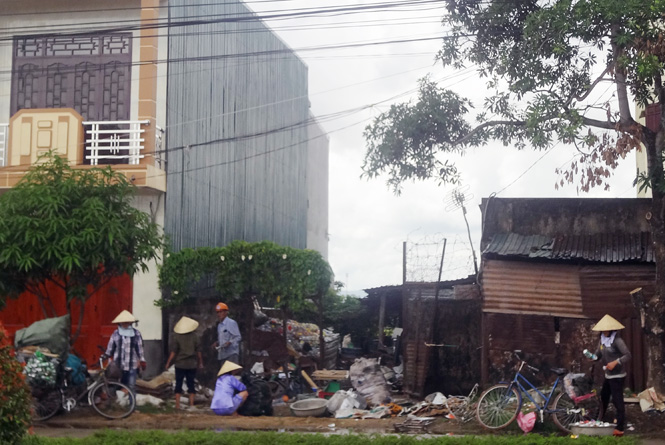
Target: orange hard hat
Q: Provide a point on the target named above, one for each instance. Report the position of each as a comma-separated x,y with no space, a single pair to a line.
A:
221,307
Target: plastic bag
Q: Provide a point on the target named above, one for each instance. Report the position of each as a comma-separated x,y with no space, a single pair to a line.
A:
569,384
40,371
78,369
526,421
345,400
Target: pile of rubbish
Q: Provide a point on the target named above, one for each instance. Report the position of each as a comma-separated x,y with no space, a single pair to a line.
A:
160,386
650,400
370,398
299,335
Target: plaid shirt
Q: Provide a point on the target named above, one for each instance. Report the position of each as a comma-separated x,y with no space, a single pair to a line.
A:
118,344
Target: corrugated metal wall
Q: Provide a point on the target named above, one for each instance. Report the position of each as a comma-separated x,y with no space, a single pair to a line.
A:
606,289
528,306
233,171
531,288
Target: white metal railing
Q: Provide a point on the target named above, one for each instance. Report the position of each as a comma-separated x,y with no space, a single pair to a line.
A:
4,137
114,140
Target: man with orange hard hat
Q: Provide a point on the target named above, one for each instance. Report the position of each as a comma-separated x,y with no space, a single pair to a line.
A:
228,336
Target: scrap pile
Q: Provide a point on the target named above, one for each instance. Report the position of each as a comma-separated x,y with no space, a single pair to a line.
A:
650,400
303,337
161,386
371,399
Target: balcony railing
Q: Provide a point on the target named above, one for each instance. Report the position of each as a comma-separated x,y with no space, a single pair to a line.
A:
106,142
4,137
114,142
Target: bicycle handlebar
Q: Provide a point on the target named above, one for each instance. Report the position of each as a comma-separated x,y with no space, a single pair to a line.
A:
517,355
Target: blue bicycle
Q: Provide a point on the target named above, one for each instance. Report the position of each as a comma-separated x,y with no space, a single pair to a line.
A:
499,405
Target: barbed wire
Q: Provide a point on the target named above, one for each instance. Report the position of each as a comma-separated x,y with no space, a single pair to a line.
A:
423,258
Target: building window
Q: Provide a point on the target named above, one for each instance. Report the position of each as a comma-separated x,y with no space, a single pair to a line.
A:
90,74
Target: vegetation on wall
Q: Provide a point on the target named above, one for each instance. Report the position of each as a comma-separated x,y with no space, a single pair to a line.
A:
278,276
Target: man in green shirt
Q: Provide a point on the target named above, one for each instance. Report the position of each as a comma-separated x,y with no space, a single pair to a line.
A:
185,355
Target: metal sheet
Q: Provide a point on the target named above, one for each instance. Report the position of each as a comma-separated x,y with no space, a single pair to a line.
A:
606,289
237,139
517,287
602,247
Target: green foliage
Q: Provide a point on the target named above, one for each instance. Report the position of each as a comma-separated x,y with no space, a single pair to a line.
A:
15,401
544,64
279,276
75,228
110,437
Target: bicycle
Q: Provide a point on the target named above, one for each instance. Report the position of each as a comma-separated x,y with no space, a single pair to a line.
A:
112,400
499,405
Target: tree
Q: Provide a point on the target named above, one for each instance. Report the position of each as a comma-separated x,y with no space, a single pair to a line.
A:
545,64
72,230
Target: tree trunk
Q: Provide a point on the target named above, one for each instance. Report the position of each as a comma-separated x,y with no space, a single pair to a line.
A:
653,308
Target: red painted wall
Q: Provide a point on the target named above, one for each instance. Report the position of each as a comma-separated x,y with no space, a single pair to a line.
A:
96,328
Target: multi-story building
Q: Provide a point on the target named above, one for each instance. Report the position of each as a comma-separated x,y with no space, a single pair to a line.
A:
197,101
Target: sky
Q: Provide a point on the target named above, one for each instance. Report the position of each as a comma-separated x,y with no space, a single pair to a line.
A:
368,223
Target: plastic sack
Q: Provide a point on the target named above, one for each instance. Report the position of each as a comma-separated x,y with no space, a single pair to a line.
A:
526,421
345,399
367,378
40,371
51,333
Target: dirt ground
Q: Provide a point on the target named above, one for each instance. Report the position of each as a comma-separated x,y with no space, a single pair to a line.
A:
645,425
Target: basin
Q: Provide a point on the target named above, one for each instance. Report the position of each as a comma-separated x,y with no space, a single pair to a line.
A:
309,408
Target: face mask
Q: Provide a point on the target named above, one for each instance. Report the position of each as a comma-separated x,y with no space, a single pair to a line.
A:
126,332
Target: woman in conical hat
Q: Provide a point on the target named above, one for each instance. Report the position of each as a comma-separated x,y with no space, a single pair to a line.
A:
230,393
614,354
126,349
186,356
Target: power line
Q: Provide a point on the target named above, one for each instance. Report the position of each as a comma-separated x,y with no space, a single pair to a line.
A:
248,16
64,68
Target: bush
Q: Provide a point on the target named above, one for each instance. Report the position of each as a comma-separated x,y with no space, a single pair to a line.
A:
15,398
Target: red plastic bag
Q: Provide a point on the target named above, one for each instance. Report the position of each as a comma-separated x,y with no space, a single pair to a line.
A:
526,421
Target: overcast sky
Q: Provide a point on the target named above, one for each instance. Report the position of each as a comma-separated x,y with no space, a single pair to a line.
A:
368,223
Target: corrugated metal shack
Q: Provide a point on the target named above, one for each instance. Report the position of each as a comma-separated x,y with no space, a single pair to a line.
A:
440,344
550,269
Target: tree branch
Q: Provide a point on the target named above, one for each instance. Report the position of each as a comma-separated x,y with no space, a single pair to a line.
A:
592,86
483,126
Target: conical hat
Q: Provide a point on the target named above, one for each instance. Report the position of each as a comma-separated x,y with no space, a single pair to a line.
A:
607,323
185,325
124,317
228,367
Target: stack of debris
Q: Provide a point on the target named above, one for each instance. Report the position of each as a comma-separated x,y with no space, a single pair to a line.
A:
160,387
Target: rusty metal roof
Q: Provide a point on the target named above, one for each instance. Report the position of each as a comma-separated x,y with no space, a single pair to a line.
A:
604,247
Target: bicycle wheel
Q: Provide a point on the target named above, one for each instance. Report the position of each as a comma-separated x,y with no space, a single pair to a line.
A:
46,402
567,412
112,400
498,406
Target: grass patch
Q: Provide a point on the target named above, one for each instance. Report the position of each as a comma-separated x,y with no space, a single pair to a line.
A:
109,437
